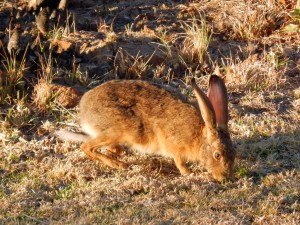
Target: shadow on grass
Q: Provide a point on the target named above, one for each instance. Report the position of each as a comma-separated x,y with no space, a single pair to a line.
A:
274,154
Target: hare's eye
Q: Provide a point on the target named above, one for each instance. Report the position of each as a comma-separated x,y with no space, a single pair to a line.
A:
217,155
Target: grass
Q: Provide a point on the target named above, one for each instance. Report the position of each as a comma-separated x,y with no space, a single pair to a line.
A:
166,40
46,181
254,20
131,67
19,115
256,74
42,98
294,25
196,41
12,79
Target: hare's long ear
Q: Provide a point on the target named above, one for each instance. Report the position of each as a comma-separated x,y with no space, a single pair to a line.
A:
206,107
217,94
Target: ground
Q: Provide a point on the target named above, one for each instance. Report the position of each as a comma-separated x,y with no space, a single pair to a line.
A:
253,45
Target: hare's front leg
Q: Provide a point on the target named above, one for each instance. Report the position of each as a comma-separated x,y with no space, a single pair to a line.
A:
180,164
90,148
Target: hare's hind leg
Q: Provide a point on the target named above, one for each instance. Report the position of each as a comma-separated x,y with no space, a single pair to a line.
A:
180,164
90,148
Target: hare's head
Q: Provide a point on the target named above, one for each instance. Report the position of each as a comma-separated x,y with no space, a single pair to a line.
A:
217,151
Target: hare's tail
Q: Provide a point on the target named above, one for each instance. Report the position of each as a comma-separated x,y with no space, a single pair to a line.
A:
71,136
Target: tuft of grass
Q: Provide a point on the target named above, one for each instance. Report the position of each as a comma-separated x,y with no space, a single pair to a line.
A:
294,25
42,97
166,40
16,177
66,192
103,27
196,41
78,76
19,115
241,172
256,74
255,19
129,28
12,79
58,32
163,72
46,66
132,67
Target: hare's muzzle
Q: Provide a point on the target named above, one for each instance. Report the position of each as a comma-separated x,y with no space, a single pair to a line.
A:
226,175
222,177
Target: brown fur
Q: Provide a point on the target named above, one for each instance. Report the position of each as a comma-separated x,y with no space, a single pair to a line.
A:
150,119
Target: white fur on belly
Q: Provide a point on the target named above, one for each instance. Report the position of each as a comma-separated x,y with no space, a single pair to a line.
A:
151,148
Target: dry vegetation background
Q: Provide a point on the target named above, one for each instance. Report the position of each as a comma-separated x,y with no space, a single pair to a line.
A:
253,45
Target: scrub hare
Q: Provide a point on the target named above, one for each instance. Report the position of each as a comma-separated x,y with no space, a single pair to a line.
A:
150,119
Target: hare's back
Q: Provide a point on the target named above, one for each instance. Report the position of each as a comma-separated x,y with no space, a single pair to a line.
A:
132,104
133,94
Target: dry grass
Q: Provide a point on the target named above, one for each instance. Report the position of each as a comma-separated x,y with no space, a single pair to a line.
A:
42,97
131,67
256,73
196,41
46,181
255,19
12,77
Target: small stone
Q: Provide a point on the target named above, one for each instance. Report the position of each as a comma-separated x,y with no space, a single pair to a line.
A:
68,97
62,46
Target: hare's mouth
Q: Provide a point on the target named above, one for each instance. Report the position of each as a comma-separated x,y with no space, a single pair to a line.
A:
222,176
